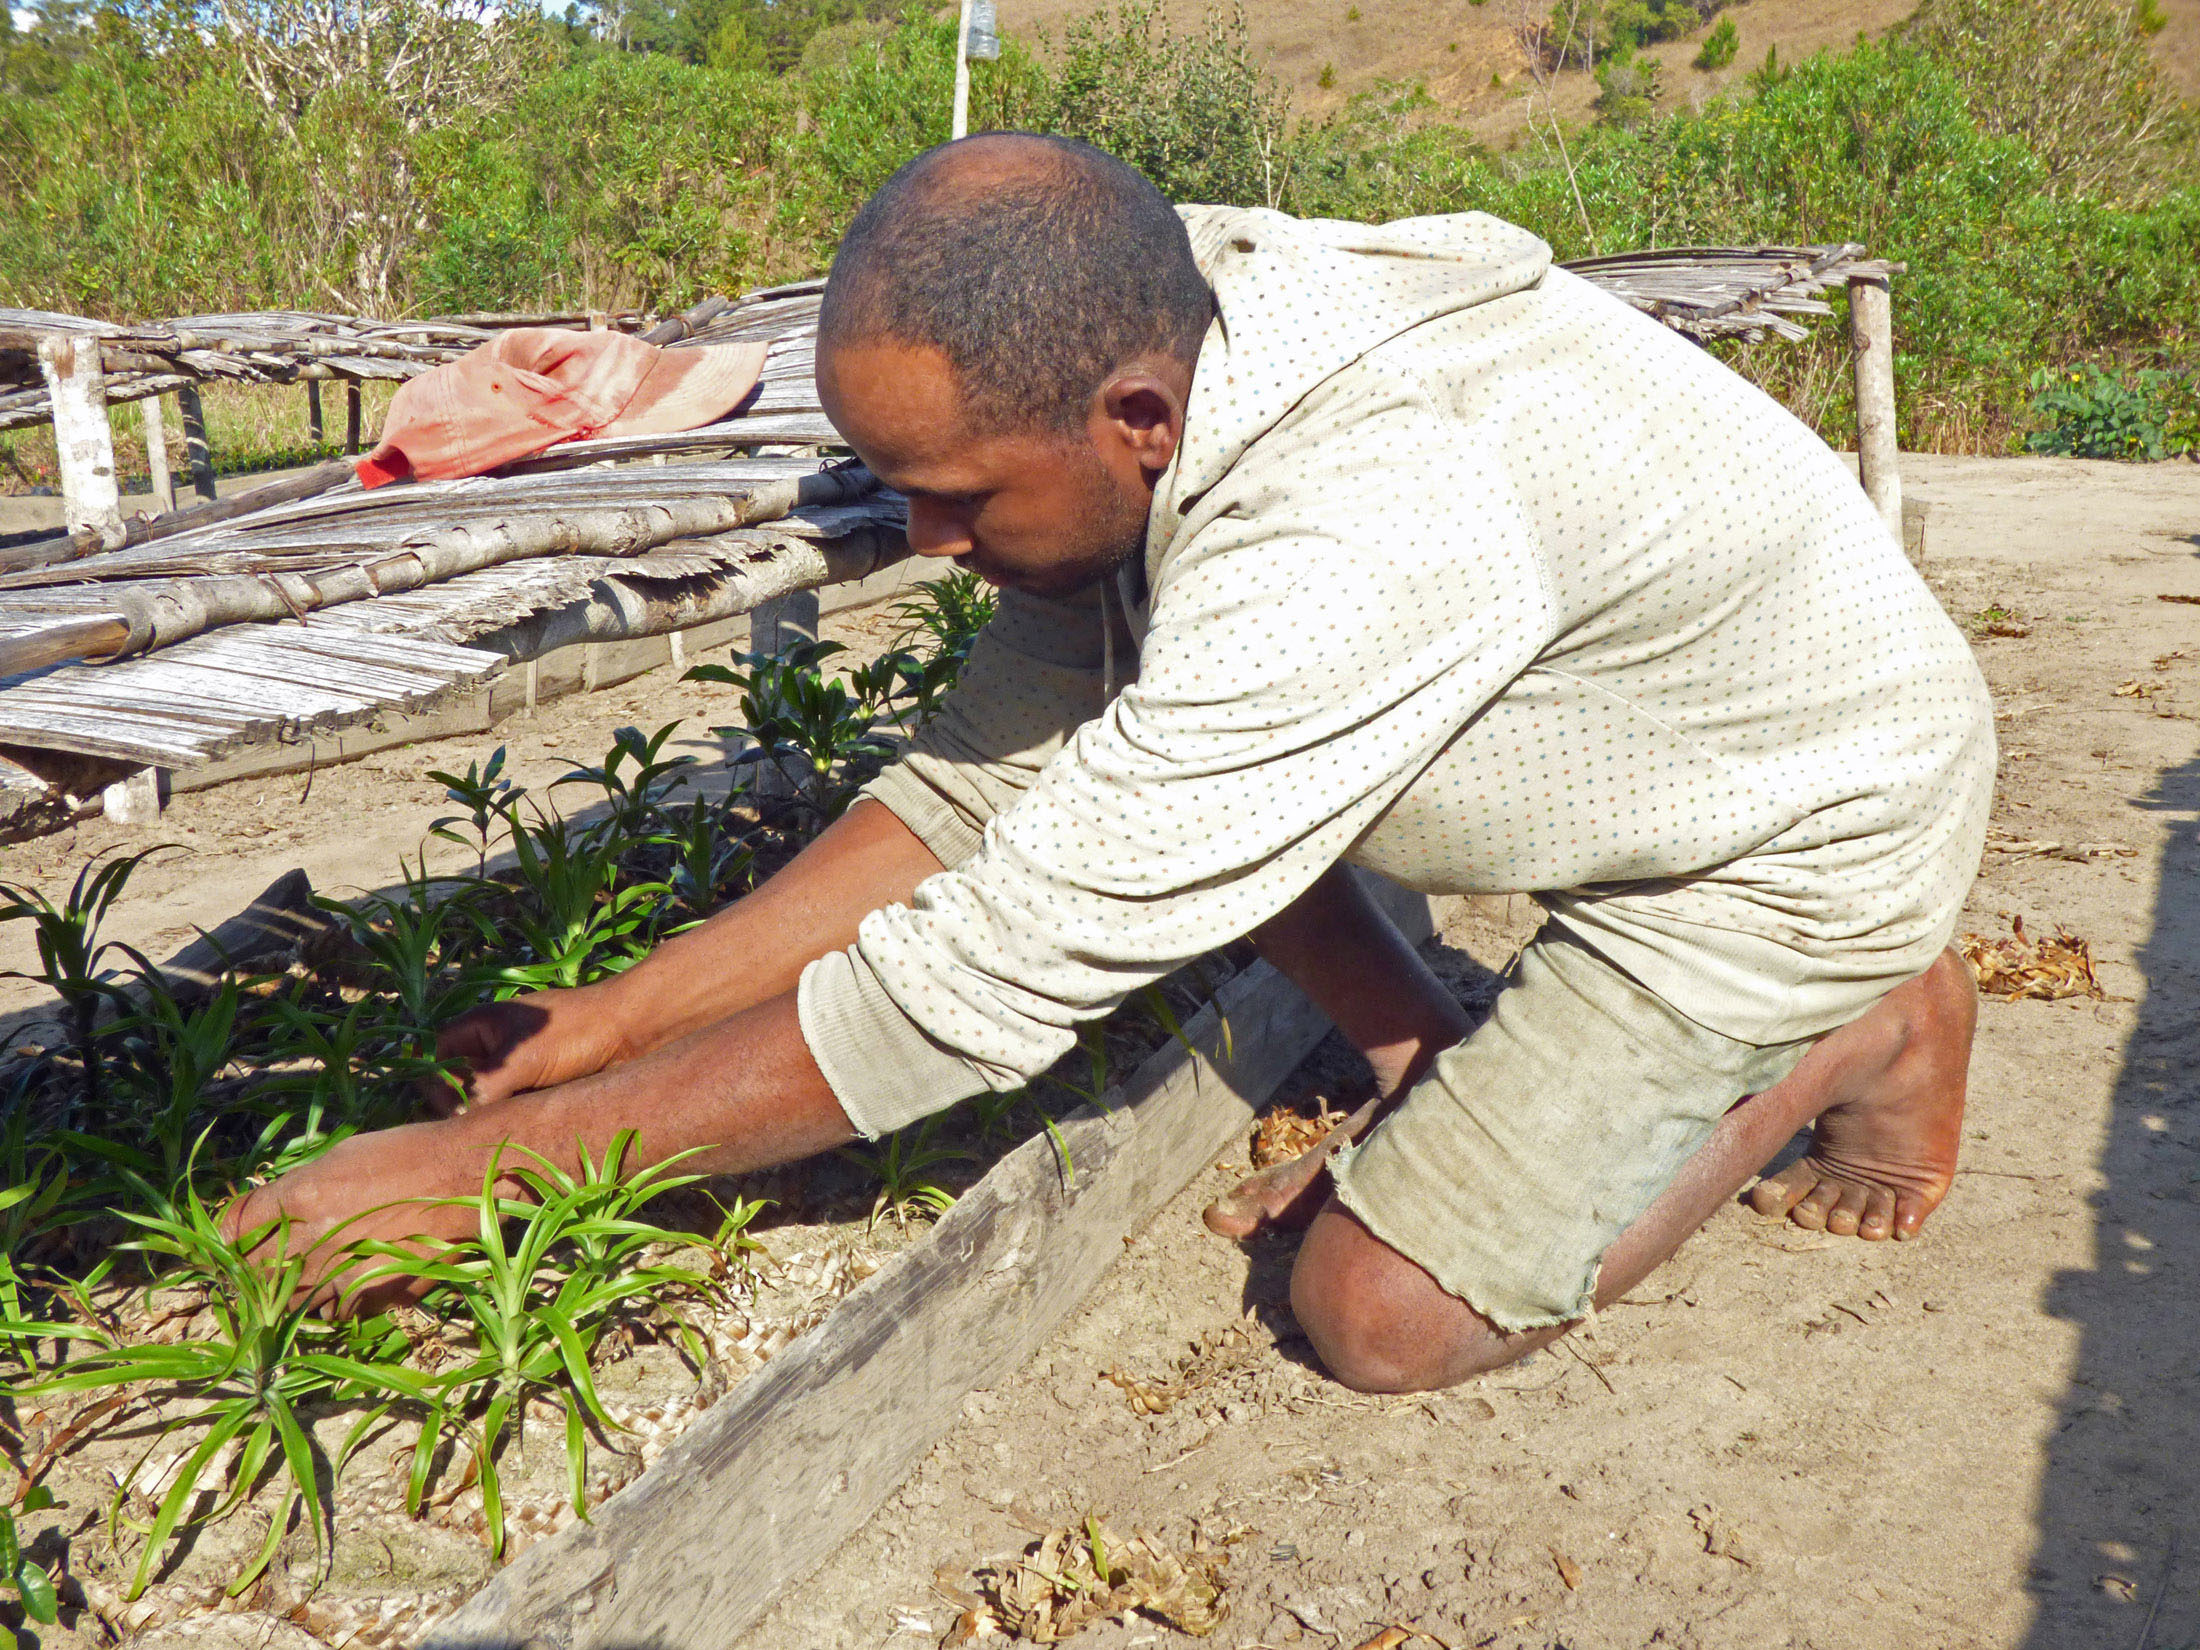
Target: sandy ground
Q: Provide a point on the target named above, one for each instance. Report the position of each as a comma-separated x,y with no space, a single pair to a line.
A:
1983,1438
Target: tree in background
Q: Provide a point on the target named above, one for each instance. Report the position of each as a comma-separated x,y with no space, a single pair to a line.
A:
2073,80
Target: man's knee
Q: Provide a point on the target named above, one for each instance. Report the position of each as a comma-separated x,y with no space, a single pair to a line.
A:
1380,1324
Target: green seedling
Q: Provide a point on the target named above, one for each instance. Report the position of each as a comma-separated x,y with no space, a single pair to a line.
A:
37,1195
417,944
353,1079
632,796
488,798
576,923
33,1586
245,1379
805,724
70,952
707,861
899,1164
176,1055
537,1300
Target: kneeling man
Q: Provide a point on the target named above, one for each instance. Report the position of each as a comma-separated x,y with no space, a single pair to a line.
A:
1324,545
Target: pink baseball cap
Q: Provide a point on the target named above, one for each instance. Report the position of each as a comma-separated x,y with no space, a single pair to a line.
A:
533,387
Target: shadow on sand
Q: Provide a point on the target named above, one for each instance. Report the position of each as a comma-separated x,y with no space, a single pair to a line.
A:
2118,1559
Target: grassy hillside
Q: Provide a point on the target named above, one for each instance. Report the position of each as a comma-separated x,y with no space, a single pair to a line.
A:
1458,47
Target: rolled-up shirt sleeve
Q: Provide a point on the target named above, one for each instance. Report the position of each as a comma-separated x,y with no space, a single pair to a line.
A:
1293,682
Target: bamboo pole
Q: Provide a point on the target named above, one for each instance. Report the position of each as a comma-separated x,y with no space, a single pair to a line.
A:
76,387
156,454
351,416
314,432
1878,452
161,614
196,452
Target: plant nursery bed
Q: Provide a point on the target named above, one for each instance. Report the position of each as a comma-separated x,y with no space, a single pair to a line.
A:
803,1337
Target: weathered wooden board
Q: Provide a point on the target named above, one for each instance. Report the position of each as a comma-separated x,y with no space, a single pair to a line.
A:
764,1487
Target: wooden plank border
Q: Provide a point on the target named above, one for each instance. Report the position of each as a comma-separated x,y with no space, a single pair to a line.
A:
765,1486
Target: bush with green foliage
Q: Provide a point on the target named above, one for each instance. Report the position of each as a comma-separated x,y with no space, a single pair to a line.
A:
2039,195
2088,413
1719,46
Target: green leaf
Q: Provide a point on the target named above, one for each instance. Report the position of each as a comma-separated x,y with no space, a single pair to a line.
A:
36,1588
36,1499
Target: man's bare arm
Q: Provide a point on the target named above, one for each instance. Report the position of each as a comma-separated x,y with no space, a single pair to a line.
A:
747,954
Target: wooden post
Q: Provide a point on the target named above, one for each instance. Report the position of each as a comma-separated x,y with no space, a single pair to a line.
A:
781,623
1871,340
196,452
156,454
959,125
351,416
314,431
76,387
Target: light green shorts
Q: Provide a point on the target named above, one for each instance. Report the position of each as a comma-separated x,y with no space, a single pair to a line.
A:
1510,1168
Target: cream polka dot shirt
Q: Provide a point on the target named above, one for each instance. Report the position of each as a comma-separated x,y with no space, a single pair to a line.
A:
1468,573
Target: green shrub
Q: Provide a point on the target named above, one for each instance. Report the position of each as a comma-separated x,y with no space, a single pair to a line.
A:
1719,46
1194,112
1627,89
2089,413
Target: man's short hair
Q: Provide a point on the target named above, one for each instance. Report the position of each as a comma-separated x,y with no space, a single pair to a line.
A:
1035,287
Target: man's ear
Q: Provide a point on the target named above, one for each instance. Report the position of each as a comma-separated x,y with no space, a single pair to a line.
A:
1143,414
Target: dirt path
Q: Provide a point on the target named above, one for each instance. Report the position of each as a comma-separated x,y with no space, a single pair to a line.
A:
1985,1438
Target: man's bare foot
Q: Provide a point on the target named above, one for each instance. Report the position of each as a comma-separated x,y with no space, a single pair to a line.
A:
1883,1152
1290,1194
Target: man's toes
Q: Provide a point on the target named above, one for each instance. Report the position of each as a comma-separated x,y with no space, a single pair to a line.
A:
1816,1206
1909,1214
1877,1223
1776,1194
1847,1213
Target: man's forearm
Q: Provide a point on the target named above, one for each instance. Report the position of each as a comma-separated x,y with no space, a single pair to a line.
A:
742,1093
755,950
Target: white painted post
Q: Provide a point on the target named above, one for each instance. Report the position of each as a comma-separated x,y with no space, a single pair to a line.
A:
156,454
774,627
777,625
76,387
133,799
1878,451
960,126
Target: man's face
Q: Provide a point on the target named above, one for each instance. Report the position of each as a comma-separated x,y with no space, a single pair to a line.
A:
1041,511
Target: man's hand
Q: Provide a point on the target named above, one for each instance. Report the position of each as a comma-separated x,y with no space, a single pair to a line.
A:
535,1041
747,954
743,1094
385,1186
